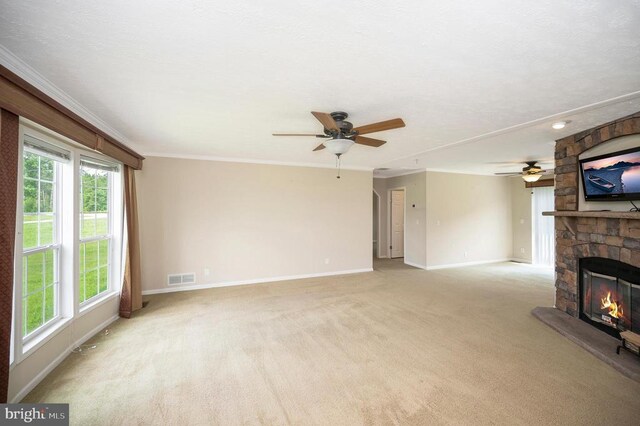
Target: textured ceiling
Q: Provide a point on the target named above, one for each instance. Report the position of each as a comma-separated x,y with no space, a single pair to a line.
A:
200,78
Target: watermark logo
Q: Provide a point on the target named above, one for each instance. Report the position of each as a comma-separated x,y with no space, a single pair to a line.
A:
34,414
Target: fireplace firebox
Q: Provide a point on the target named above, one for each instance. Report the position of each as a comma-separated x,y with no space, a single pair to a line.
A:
609,295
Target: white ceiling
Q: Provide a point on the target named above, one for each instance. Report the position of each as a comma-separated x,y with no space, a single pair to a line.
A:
484,79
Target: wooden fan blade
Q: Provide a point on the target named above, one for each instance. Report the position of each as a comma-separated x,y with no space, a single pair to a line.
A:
380,126
508,174
294,134
319,147
327,120
369,141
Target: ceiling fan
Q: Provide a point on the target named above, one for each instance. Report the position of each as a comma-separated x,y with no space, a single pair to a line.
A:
340,134
530,173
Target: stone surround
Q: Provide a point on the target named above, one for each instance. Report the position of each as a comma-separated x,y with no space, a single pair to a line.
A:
577,237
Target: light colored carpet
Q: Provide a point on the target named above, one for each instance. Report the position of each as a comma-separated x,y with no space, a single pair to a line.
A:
394,346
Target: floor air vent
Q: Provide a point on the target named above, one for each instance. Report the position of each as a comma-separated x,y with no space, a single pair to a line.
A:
177,279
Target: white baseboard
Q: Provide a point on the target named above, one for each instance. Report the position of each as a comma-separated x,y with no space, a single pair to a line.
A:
253,281
36,380
458,265
519,260
415,265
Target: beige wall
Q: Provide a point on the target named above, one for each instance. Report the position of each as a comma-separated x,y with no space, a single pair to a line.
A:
468,219
250,222
521,220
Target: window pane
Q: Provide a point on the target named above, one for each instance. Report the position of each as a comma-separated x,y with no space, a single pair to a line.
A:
104,252
46,169
49,310
34,273
30,196
91,284
88,190
88,225
101,199
102,224
46,197
103,279
30,231
31,164
34,311
46,229
102,179
48,267
91,255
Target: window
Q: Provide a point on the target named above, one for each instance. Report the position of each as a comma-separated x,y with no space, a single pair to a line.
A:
71,237
95,227
40,239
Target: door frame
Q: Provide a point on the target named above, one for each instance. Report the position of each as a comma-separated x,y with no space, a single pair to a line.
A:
404,222
378,224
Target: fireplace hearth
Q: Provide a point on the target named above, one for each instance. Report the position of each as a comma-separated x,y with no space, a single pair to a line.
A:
609,295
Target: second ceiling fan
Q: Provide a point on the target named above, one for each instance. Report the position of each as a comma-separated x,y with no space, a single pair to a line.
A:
341,134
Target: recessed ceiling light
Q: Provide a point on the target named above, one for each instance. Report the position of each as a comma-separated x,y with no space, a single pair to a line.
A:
559,125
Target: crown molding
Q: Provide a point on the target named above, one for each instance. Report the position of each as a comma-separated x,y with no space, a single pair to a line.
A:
253,161
401,173
33,77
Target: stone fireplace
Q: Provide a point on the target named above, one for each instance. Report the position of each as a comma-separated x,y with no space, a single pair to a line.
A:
613,238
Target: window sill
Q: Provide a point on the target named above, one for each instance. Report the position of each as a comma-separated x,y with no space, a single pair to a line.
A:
85,309
35,343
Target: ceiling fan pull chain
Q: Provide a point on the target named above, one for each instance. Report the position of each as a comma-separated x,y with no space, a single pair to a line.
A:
338,165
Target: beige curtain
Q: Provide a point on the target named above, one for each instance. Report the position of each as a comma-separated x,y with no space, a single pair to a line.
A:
131,296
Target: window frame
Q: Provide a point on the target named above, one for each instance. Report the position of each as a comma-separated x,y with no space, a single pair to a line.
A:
55,246
109,237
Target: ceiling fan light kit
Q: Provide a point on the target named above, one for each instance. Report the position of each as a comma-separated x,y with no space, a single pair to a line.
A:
530,173
533,177
342,135
338,146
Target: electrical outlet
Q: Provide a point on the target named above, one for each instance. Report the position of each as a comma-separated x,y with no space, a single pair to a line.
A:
466,254
522,250
437,223
326,261
521,221
207,272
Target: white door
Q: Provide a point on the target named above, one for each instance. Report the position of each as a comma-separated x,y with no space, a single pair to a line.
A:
397,224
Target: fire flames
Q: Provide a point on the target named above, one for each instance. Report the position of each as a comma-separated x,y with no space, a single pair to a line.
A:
615,310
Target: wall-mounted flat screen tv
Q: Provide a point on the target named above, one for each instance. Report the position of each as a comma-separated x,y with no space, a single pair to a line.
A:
614,176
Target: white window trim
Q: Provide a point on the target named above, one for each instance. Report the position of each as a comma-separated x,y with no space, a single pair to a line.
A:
69,308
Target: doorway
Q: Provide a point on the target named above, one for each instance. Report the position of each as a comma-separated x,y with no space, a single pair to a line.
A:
543,234
396,223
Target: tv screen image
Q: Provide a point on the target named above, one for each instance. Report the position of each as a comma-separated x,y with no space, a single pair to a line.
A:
612,176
